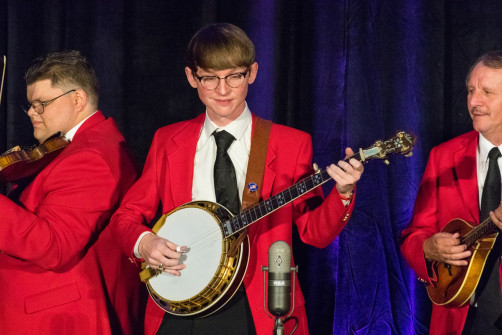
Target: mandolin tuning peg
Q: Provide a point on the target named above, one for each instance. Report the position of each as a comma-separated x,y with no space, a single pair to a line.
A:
386,161
316,167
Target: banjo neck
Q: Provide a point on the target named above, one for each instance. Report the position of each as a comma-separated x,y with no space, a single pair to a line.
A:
401,143
264,208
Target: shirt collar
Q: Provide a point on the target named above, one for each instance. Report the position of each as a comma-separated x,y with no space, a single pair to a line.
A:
69,135
484,147
237,127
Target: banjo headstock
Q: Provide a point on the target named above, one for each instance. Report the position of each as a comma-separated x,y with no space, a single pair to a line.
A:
401,143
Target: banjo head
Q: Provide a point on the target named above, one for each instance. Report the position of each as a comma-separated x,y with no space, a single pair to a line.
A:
210,273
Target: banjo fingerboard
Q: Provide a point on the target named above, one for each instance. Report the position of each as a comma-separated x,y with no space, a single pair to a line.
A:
401,143
244,219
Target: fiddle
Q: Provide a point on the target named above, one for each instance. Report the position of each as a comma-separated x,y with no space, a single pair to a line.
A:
17,163
3,77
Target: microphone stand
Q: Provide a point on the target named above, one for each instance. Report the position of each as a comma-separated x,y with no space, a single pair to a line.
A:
279,322
278,326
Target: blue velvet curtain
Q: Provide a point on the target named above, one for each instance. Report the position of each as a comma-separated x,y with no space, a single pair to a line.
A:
349,72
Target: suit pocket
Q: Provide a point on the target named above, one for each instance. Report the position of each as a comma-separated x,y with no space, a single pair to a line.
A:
51,298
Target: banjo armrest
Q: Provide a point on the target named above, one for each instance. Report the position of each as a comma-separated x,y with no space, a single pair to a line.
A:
148,273
234,248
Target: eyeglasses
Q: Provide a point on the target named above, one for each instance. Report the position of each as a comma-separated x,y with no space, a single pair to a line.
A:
233,80
39,106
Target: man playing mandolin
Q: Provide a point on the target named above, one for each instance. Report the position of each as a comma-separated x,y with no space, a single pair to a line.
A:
60,273
185,159
461,186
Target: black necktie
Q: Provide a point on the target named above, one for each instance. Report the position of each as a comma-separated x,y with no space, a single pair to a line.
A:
491,190
486,317
225,182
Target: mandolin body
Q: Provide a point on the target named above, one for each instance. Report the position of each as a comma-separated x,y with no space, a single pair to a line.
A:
456,284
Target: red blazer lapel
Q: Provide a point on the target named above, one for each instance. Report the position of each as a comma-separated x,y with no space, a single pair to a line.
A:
181,154
467,174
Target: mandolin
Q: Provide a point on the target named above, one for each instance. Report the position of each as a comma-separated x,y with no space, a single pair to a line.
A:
456,284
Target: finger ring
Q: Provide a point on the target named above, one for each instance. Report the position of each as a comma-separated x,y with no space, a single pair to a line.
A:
161,267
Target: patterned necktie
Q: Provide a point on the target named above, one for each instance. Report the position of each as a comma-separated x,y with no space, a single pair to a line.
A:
225,182
486,317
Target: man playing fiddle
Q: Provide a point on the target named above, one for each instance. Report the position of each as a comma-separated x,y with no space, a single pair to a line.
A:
54,275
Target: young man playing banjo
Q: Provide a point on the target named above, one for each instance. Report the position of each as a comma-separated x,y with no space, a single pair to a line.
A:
182,164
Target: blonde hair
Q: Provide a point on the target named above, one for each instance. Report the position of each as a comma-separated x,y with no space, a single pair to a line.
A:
220,46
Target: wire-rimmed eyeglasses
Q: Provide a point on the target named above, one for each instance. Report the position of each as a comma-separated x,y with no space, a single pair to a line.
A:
39,106
233,80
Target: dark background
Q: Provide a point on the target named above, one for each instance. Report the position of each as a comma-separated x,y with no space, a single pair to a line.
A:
348,72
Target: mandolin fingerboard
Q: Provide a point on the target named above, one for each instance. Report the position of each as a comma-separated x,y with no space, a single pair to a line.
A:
479,231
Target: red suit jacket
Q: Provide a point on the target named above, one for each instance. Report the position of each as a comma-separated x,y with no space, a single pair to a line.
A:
58,274
448,190
167,179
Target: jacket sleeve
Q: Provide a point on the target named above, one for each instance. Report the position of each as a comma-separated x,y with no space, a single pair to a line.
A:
319,222
425,221
66,208
140,204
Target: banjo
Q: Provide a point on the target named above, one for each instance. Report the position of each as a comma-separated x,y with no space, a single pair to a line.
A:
218,253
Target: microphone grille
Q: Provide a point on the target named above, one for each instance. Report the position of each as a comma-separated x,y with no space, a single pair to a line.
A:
279,258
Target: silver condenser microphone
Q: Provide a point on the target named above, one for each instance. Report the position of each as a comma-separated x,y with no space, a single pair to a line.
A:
279,279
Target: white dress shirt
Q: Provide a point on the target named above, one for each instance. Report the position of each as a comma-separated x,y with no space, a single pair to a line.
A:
205,155
482,161
69,135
